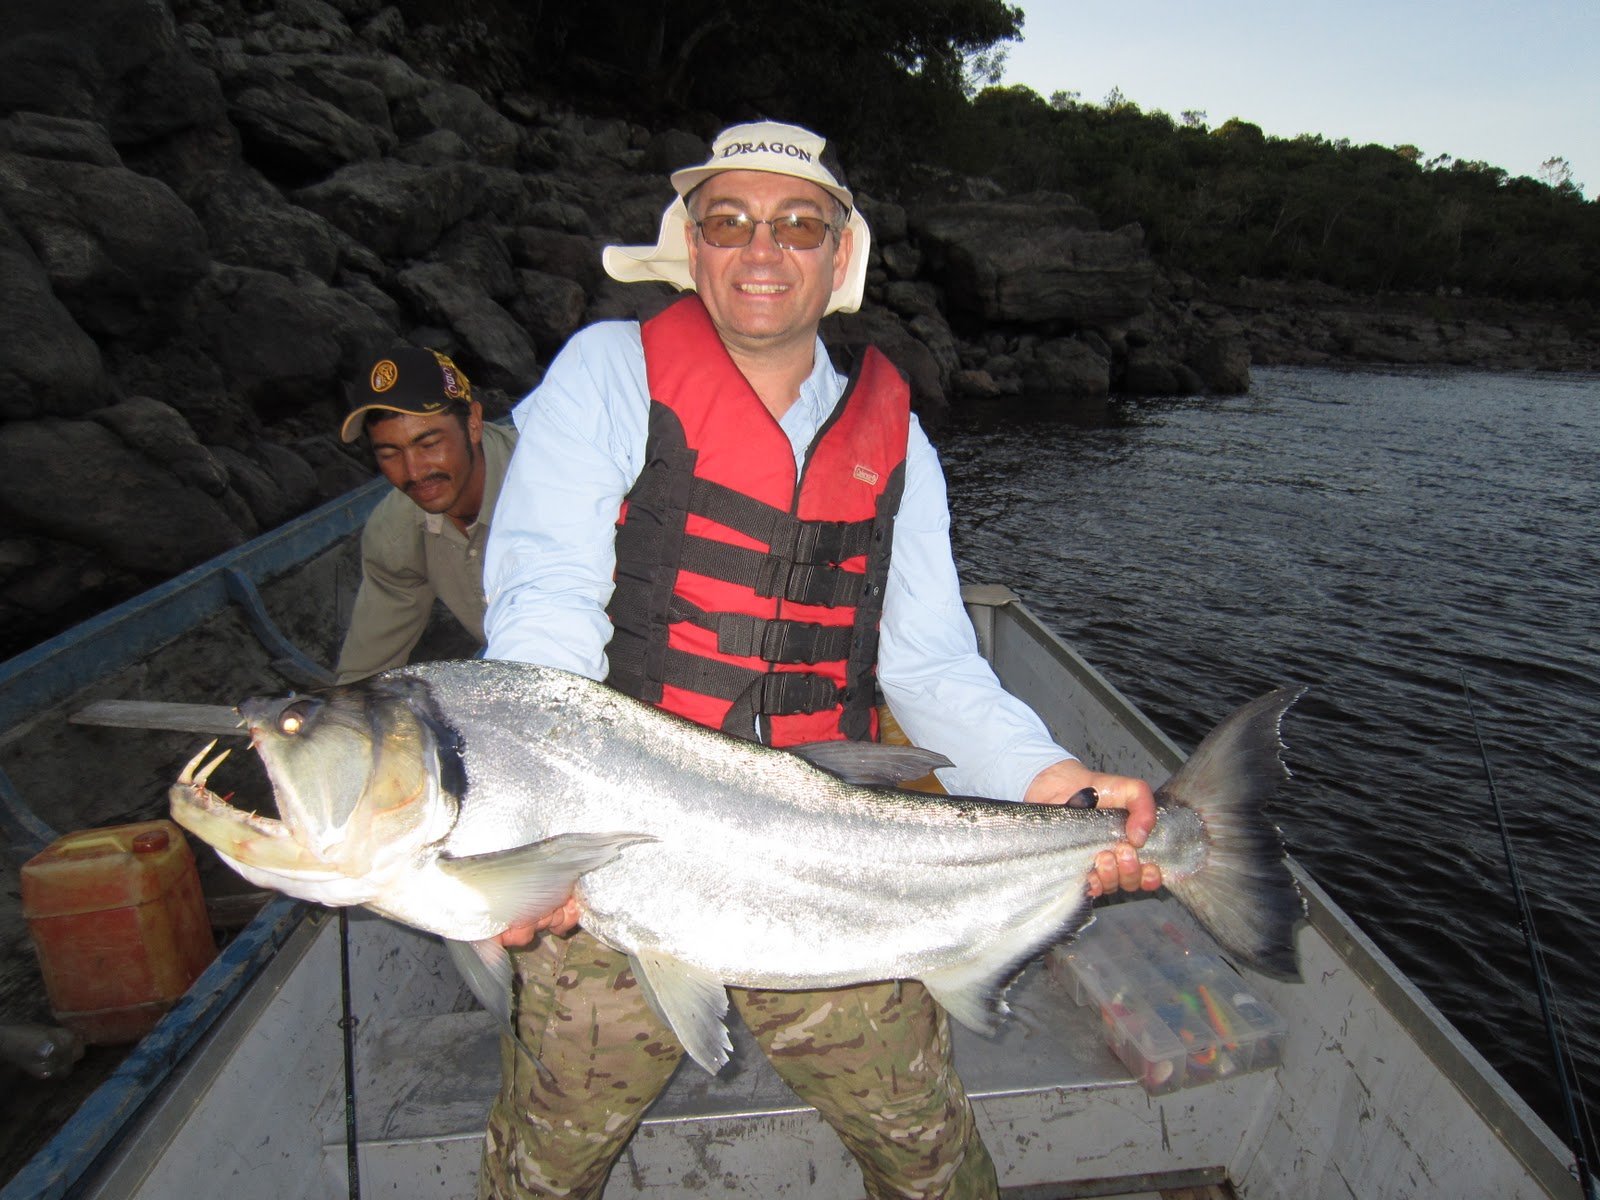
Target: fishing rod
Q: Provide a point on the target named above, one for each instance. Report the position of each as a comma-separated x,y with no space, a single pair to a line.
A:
1564,1072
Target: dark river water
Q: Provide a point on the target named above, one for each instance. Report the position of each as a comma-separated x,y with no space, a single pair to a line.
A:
1373,535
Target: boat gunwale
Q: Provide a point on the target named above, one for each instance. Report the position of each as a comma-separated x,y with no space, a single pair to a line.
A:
46,674
114,1108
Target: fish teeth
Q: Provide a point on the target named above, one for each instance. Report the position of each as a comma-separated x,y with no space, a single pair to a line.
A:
188,777
205,772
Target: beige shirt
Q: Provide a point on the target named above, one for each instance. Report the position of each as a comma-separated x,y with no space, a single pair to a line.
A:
409,558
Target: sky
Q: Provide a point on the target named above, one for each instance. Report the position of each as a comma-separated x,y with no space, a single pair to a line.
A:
1507,84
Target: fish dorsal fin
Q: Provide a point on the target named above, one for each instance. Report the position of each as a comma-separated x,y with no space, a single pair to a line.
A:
871,763
693,1003
527,882
973,992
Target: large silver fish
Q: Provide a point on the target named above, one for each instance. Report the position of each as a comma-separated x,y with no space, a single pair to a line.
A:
463,797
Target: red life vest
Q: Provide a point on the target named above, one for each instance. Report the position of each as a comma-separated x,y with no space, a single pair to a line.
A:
747,599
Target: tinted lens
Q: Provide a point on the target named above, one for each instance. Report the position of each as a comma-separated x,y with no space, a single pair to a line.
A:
799,233
730,231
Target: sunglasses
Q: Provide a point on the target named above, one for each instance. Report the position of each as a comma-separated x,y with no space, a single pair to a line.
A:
731,231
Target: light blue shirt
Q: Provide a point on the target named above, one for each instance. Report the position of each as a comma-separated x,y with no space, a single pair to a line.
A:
552,554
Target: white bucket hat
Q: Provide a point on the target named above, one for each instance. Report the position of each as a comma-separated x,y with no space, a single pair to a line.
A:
760,146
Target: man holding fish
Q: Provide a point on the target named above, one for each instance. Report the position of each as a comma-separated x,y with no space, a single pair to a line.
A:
701,511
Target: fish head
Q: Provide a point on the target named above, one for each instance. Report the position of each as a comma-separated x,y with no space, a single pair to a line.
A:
358,774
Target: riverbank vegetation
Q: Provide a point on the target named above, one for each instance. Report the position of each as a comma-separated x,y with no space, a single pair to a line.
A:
906,87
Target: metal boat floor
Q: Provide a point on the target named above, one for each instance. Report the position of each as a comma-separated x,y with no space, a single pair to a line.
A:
438,1074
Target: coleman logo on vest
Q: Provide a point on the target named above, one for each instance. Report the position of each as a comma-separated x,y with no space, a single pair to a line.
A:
865,474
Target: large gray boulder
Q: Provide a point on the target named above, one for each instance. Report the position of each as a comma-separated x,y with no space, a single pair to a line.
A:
1035,259
394,208
250,224
48,365
78,482
274,481
488,334
159,432
284,346
550,307
1067,368
491,137
119,247
65,139
290,134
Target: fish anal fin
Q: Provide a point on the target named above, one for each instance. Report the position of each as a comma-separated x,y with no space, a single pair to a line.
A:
692,1002
973,992
526,882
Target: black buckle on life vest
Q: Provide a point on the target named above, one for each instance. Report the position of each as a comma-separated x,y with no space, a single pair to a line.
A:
808,583
785,693
818,542
780,641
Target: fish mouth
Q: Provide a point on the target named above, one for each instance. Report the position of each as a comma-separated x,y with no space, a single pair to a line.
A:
239,836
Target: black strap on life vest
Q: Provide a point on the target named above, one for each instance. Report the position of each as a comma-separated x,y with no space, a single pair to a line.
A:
775,640
649,545
771,693
787,535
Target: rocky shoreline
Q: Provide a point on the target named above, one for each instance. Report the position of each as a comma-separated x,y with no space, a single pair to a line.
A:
209,217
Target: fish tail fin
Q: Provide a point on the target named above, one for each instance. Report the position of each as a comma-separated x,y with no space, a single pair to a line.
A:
1244,894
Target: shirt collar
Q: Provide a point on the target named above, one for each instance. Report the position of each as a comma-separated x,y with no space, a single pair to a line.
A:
819,394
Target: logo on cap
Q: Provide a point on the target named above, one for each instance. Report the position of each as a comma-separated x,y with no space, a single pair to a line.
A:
784,149
384,376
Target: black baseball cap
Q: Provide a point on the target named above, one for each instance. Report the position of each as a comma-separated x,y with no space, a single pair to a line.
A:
407,379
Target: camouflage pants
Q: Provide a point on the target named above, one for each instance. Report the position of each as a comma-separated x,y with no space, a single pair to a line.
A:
874,1060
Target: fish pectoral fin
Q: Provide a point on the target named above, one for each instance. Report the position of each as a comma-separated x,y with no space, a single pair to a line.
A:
693,1003
486,967
526,882
870,763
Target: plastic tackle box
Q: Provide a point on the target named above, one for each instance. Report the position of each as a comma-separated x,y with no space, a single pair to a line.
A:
1173,1010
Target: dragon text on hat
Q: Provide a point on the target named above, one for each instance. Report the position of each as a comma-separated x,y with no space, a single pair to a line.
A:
788,149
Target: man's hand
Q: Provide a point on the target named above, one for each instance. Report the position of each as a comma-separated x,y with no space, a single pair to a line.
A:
562,921
1119,868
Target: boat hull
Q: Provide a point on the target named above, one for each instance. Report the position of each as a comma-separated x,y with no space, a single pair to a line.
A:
1375,1094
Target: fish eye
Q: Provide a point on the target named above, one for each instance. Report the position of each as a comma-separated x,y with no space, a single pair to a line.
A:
295,717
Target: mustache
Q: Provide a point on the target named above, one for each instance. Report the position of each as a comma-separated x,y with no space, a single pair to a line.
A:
436,477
